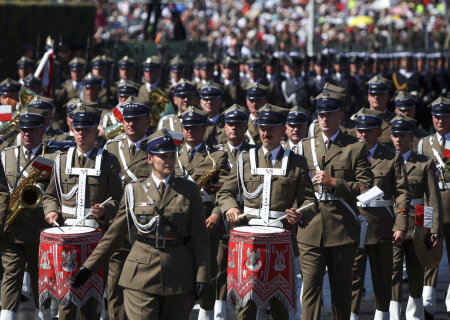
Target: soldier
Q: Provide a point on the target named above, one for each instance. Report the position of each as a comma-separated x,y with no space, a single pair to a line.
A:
25,66
129,148
20,245
233,92
422,179
433,147
9,93
211,102
99,68
72,88
127,89
126,69
233,137
256,98
390,176
283,199
295,88
184,95
405,104
318,78
98,186
207,166
168,266
176,67
341,172
206,72
32,83
152,76
44,103
296,127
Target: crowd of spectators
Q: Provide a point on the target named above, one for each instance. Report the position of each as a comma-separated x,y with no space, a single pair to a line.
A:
347,25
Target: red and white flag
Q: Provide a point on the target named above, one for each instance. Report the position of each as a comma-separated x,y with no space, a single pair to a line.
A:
447,149
43,164
118,114
424,216
5,112
176,136
45,71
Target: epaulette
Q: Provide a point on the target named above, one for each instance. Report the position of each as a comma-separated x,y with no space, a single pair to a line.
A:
11,147
215,148
120,137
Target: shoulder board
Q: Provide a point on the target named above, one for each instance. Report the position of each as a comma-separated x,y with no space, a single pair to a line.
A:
389,148
250,146
11,147
306,139
217,147
120,137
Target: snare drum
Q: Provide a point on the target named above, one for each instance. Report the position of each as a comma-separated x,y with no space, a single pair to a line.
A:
260,266
62,251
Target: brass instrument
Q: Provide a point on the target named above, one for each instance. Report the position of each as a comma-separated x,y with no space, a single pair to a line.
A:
208,175
9,129
159,101
26,195
114,130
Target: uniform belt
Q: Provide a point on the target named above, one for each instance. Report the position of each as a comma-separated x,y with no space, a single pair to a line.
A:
272,214
376,204
208,197
86,223
418,201
160,242
73,210
444,185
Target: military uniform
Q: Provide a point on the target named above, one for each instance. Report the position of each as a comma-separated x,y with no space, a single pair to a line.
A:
159,276
150,64
133,168
291,190
20,245
329,238
432,147
390,177
101,181
204,160
421,173
71,88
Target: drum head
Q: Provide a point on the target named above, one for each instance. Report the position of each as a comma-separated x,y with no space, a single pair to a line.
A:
259,229
69,230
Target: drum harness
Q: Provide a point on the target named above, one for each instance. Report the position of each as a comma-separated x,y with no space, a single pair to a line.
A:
80,189
124,163
152,226
441,165
263,213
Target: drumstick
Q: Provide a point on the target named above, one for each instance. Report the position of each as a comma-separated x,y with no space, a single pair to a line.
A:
86,216
284,217
56,223
247,213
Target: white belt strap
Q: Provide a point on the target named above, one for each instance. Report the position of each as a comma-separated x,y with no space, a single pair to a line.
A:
249,136
329,197
183,169
171,124
86,223
377,203
444,185
73,210
256,212
124,163
267,184
82,174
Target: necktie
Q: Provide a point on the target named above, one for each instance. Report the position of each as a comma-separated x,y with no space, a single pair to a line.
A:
132,149
443,143
233,153
268,158
368,156
27,155
162,186
327,145
191,154
82,160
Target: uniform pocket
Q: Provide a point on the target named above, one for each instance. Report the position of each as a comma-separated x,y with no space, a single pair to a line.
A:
133,261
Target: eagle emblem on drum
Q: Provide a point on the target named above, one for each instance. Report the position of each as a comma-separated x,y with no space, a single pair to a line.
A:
69,262
253,263
45,264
